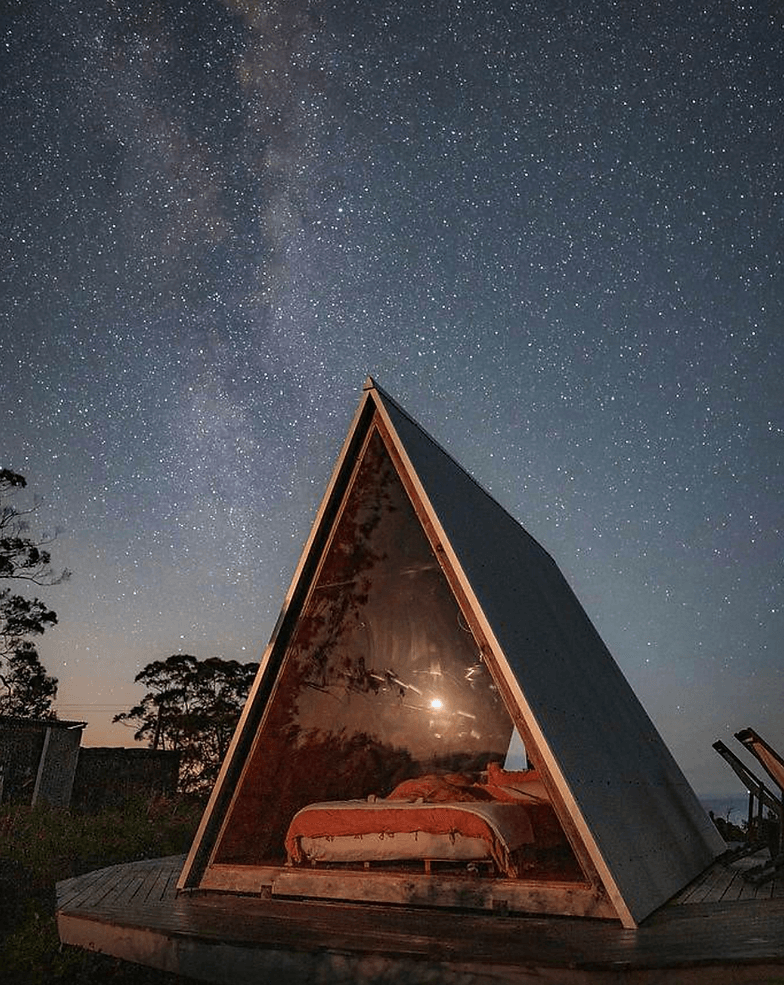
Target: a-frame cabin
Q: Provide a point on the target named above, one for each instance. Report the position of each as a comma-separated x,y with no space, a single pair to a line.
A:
436,722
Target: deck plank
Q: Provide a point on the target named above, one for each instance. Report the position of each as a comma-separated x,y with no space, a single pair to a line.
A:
724,882
90,888
733,888
718,885
70,890
120,888
155,888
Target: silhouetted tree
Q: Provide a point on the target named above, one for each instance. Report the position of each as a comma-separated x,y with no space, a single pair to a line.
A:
26,690
192,706
23,558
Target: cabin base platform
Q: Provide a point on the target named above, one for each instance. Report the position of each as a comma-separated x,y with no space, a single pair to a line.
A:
720,929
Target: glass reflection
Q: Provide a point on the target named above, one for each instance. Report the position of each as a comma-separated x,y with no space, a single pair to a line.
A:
382,681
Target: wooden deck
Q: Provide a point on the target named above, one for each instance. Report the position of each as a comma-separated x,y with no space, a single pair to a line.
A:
720,929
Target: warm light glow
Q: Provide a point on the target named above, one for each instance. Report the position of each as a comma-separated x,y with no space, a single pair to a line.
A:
436,703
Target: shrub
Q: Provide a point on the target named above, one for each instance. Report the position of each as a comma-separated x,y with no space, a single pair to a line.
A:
41,845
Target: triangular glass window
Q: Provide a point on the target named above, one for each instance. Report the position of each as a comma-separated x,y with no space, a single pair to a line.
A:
382,689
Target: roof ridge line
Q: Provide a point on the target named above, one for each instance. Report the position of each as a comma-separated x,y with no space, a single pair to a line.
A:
373,385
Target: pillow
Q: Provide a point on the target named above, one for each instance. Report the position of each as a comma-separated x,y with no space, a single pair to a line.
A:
515,786
439,789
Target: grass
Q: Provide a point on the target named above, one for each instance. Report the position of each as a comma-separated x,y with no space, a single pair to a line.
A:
39,846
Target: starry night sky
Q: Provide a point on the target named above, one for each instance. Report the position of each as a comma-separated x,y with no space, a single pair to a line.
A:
552,230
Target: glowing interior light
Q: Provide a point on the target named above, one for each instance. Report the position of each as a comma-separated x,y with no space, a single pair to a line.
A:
436,703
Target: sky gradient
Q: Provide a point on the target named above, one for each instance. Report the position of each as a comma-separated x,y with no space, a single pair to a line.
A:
552,231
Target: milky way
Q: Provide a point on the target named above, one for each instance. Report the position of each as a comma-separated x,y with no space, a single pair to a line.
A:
551,230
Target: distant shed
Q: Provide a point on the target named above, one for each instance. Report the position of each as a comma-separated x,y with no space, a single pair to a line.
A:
42,761
38,759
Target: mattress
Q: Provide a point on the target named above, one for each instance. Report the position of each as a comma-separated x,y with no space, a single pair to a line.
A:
365,831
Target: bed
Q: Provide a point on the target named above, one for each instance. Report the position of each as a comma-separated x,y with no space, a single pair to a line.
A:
498,819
